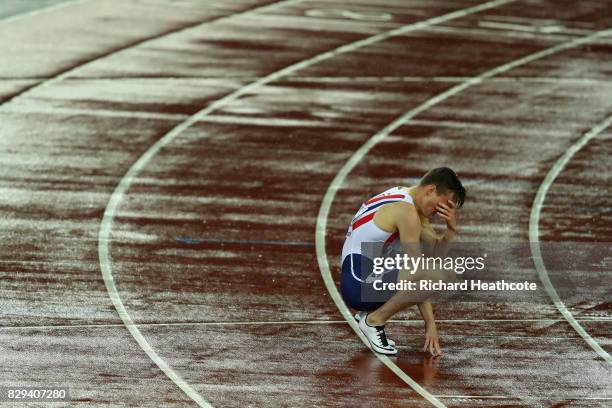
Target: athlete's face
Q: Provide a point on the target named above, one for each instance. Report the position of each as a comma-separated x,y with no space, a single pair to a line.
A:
432,199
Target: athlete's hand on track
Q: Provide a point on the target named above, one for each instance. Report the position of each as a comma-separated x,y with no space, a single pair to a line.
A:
448,213
432,344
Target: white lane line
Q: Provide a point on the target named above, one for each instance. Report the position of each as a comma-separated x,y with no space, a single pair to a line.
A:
101,113
292,68
175,117
267,122
479,32
538,21
549,29
507,26
526,337
555,398
104,238
66,74
480,126
197,240
534,233
43,10
338,181
370,16
585,318
103,252
301,322
594,319
331,79
126,181
555,80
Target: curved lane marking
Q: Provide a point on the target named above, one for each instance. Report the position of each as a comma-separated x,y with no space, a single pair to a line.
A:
336,184
126,181
130,175
534,233
104,238
117,195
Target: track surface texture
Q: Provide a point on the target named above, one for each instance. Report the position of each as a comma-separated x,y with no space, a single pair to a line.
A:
164,165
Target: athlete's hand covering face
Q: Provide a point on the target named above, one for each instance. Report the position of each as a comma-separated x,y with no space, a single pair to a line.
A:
447,211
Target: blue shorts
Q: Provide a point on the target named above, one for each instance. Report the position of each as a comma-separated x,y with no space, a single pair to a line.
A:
357,290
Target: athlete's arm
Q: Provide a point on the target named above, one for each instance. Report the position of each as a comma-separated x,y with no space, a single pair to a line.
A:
408,225
429,238
410,228
403,218
410,231
441,247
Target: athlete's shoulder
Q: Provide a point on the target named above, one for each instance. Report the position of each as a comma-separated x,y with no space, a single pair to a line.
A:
402,211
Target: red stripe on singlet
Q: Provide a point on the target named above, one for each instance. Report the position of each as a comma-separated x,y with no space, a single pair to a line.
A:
392,238
363,220
373,200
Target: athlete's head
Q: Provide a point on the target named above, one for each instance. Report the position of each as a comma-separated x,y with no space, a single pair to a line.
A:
440,185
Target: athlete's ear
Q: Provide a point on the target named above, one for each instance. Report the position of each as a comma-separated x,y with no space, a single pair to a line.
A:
430,189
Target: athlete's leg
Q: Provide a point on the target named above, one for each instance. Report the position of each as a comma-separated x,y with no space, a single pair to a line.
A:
356,285
357,289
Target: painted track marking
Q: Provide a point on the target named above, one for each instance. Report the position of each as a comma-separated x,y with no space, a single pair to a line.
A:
104,256
350,14
331,79
364,149
556,398
127,320
534,233
130,175
526,337
479,32
280,322
195,241
520,27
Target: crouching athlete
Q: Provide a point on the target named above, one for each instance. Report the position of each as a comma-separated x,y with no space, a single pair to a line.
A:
398,216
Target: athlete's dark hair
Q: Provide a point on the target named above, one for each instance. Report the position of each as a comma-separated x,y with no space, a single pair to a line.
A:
445,180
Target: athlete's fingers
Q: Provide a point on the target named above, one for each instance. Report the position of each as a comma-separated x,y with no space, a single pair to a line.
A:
444,213
449,210
452,203
442,210
438,349
446,207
